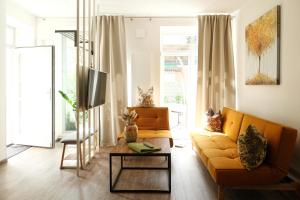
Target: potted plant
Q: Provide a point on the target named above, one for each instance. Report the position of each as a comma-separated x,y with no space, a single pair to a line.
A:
131,129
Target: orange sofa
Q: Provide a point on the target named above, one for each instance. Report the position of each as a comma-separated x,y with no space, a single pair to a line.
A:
218,151
152,122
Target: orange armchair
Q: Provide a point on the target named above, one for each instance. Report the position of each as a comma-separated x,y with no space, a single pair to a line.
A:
152,122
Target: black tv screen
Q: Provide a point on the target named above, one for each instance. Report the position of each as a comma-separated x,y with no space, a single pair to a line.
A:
96,88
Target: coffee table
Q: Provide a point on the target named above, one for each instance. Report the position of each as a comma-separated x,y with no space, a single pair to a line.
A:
122,151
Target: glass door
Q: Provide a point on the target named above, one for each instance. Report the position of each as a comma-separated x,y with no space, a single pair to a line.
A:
179,74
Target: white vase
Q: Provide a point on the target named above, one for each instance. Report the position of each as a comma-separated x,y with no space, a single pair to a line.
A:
130,133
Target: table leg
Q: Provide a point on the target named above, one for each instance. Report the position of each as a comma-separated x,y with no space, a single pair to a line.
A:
122,162
169,170
110,173
112,183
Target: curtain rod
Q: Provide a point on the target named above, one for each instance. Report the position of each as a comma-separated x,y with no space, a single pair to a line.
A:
160,16
166,17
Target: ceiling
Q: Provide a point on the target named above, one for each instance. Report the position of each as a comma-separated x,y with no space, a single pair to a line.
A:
67,8
48,8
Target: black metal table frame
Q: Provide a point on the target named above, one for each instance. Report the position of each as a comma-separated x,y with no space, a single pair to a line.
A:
112,183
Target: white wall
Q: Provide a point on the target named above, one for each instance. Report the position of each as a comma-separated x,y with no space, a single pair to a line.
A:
24,23
2,83
277,103
143,54
46,28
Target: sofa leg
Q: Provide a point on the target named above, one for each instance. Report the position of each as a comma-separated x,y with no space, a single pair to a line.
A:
298,191
220,193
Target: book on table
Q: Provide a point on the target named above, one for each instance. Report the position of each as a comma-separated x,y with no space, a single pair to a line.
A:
143,147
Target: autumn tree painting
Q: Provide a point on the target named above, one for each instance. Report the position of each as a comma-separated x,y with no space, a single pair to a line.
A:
262,44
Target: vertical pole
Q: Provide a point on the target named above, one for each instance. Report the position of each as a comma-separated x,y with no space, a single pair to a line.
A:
89,64
96,110
93,65
99,115
83,85
77,88
89,138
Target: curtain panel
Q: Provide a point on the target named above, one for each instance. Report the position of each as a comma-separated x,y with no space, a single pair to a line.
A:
109,49
216,75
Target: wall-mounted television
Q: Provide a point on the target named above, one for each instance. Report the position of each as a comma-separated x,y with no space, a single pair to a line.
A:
96,88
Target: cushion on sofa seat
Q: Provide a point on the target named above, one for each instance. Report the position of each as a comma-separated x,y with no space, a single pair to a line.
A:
231,122
153,134
213,144
213,140
230,153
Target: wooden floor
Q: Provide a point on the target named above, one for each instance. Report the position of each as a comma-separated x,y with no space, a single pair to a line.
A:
35,175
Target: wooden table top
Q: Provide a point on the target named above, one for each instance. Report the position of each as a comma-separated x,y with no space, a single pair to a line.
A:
123,149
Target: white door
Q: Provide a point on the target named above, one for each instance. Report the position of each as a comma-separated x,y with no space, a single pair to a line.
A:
36,123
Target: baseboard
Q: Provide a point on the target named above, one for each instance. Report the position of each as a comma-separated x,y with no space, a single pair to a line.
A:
3,161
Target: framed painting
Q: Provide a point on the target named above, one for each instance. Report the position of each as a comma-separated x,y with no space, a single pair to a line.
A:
263,49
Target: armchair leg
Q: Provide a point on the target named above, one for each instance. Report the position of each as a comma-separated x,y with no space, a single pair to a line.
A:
220,193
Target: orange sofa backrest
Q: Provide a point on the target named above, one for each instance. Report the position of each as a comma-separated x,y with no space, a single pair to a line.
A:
152,118
231,123
281,140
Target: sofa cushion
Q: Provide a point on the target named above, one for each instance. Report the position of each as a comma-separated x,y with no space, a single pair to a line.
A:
230,153
213,144
213,121
231,123
252,148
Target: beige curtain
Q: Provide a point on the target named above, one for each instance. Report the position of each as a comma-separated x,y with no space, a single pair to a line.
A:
108,36
216,79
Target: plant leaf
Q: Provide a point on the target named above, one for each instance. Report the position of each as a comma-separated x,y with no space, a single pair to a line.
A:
68,99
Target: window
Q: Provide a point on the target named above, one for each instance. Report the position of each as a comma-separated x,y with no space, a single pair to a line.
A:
68,81
178,72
